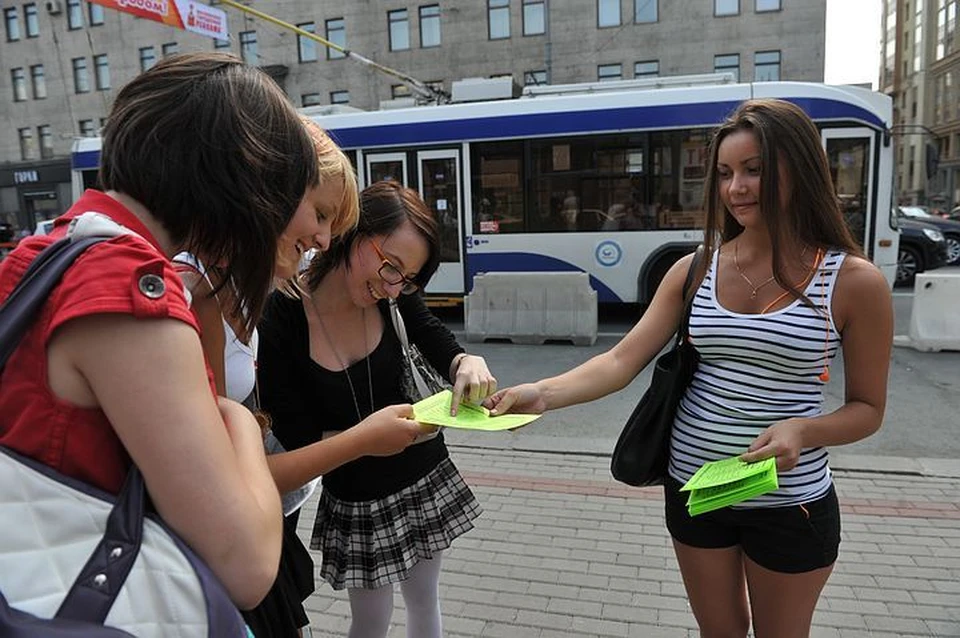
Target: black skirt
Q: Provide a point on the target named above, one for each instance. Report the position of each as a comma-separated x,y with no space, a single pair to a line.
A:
281,613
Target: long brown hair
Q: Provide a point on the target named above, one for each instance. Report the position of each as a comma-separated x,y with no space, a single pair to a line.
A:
217,154
789,146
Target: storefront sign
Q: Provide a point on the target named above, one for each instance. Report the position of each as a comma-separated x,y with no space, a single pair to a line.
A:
25,177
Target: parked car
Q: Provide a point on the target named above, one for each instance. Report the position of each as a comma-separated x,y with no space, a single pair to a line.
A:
949,228
922,248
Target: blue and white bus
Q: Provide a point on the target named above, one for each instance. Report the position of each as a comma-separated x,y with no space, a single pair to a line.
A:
602,178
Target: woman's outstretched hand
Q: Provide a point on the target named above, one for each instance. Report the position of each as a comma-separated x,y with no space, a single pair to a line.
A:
520,399
473,382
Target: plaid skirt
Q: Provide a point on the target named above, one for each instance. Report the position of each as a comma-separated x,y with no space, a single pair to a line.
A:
369,544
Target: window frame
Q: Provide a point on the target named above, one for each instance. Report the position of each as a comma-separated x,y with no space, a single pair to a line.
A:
74,15
727,14
92,130
45,134
655,74
38,81
306,45
757,9
619,14
543,17
335,94
758,65
533,74
18,84
153,57
81,75
610,78
101,72
249,47
430,19
498,7
636,11
31,20
25,138
169,48
95,14
333,54
394,20
722,69
304,102
11,24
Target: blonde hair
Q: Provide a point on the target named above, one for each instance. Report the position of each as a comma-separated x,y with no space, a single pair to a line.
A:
333,163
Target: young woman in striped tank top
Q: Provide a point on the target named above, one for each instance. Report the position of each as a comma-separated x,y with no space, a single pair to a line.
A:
782,286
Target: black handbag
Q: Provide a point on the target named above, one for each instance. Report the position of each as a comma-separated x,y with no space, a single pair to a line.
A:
643,449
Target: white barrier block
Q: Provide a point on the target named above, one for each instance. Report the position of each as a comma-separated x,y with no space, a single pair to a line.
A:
935,319
531,308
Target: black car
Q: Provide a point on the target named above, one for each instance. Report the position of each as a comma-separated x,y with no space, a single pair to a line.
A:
922,247
950,229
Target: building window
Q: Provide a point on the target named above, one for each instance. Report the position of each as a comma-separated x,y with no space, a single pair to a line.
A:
647,69
46,141
399,30
148,57
336,33
101,69
534,78
726,7
728,63
95,14
86,128
608,13
30,20
339,97
399,91
498,19
767,5
39,81
12,23
81,81
310,99
74,14
430,26
609,72
766,66
168,49
645,11
534,17
26,143
248,47
307,48
221,44
19,80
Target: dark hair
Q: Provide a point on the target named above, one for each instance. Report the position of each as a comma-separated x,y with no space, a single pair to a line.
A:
384,207
790,145
217,154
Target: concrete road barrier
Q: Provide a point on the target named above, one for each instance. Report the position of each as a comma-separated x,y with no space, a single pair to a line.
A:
531,308
935,318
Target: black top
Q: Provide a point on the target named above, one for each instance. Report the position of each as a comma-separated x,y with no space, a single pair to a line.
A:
305,399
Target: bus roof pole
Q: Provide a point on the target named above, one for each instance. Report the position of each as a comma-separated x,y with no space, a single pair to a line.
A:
423,90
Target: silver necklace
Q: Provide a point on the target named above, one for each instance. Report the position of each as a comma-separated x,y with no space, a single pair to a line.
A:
343,366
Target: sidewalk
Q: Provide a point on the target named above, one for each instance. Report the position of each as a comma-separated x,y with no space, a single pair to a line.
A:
563,550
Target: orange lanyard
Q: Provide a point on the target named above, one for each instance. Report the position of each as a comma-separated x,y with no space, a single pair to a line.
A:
816,264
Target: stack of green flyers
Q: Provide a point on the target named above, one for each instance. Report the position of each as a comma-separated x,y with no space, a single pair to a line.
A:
727,482
435,410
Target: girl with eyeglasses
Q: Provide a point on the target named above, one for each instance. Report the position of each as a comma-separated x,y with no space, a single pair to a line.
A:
330,357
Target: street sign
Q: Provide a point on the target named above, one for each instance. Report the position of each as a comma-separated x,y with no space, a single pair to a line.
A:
183,14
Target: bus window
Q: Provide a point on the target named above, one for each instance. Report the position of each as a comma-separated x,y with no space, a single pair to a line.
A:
497,187
679,170
848,159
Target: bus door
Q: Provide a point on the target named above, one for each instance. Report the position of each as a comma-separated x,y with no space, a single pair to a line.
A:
381,166
850,153
439,184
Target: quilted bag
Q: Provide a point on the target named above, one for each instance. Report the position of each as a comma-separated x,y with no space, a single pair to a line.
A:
76,561
420,379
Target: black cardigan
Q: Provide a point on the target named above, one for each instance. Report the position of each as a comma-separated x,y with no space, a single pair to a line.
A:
305,399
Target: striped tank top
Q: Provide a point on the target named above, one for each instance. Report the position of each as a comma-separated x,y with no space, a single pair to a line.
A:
756,370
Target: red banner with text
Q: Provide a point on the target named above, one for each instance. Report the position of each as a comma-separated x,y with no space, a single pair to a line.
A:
183,14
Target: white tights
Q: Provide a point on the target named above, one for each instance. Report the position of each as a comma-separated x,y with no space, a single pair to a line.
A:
371,609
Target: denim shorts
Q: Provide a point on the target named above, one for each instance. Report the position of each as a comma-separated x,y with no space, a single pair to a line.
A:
790,540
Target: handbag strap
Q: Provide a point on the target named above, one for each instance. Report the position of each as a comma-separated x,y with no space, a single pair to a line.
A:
683,332
93,592
399,328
